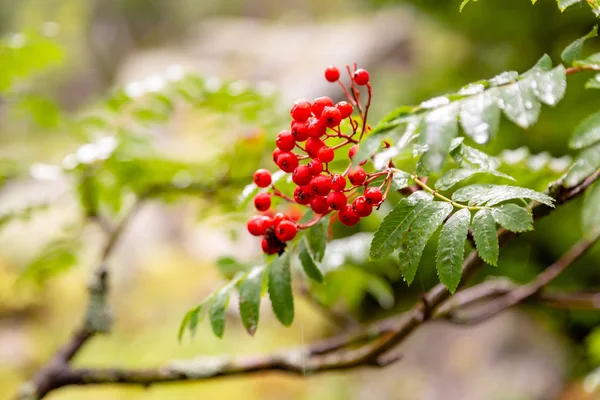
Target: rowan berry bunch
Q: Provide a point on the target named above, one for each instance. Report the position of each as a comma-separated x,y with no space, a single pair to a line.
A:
306,150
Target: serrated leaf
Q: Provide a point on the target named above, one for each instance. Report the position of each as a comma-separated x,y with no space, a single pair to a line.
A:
471,158
425,223
389,234
451,248
454,176
400,180
308,263
563,4
317,238
513,217
573,51
190,321
504,78
583,166
590,213
280,289
593,83
489,195
440,126
587,132
216,310
519,103
401,132
486,238
464,3
250,290
549,87
480,116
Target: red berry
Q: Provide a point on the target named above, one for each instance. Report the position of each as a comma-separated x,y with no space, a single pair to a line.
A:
262,178
277,218
285,141
345,109
338,182
300,131
373,195
287,161
257,225
332,74
312,146
262,201
302,195
325,154
301,175
319,104
315,166
316,127
320,185
266,247
319,205
352,151
276,154
332,116
336,200
286,231
356,176
300,110
347,216
361,77
362,207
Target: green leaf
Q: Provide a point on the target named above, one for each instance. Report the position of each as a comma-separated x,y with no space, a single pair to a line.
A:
489,195
480,116
280,289
464,3
583,166
454,176
451,248
440,126
519,103
587,132
486,238
308,263
590,213
504,78
563,4
544,63
250,290
400,180
573,51
549,87
216,310
190,321
513,217
57,256
425,223
471,158
389,234
317,239
593,83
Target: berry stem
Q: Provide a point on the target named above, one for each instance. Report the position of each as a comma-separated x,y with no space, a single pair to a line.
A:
278,193
364,124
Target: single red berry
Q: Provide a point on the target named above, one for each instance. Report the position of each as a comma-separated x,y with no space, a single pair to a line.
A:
286,231
315,166
262,178
352,151
373,195
316,127
276,154
319,104
338,182
300,110
267,248
299,131
336,200
312,146
332,73
347,216
325,154
287,161
303,195
319,205
301,175
262,201
362,207
356,176
278,217
345,109
361,77
285,141
257,225
320,185
332,116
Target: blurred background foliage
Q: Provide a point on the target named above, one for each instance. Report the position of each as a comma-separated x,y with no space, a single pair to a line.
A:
180,101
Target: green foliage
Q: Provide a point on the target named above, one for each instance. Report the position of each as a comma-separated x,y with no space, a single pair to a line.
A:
217,308
590,213
280,289
586,133
490,195
317,239
484,233
451,248
454,176
308,263
573,51
250,294
513,217
562,4
57,256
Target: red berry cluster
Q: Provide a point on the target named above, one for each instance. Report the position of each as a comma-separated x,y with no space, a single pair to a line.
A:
303,151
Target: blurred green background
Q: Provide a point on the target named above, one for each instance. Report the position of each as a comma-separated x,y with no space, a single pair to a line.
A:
255,58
